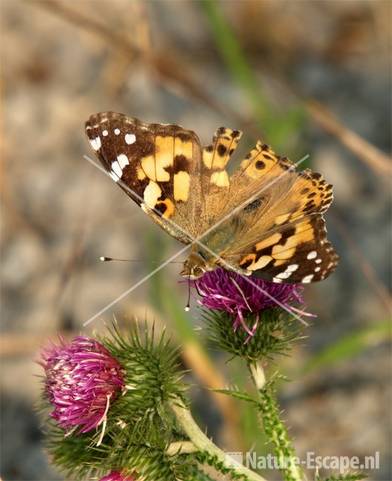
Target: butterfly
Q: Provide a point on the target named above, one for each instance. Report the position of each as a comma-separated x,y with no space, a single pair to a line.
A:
264,219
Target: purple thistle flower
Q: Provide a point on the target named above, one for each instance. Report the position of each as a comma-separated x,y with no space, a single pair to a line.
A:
81,380
117,476
239,295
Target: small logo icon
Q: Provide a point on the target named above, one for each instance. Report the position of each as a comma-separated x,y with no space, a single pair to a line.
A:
235,457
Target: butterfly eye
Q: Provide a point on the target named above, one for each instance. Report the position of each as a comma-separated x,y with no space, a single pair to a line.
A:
197,271
192,268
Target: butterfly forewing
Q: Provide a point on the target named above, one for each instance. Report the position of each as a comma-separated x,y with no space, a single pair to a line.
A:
154,164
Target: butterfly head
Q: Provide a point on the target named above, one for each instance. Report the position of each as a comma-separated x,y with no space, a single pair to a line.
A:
195,266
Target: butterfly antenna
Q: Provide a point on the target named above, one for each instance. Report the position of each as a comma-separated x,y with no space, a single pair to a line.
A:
110,259
187,308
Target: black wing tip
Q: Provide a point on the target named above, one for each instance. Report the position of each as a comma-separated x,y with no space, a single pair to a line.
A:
95,119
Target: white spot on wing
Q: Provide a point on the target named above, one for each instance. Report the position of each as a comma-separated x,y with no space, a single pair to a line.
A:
105,133
284,275
117,169
130,138
287,273
307,279
318,261
96,143
151,194
317,269
277,280
116,131
114,176
292,267
311,255
122,161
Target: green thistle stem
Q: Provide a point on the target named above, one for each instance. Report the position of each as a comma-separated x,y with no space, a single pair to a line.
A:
258,375
205,445
274,427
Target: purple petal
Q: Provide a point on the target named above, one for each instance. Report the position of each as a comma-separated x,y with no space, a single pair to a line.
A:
233,293
79,377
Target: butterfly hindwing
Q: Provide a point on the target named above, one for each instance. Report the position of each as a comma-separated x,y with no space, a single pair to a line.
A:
295,253
278,232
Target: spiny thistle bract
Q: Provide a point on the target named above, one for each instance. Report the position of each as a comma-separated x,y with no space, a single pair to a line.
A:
248,317
137,426
275,334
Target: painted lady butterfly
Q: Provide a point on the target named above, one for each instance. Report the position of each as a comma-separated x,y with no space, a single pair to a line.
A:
263,219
